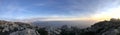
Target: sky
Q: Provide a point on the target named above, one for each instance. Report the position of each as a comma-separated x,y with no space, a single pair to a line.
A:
60,9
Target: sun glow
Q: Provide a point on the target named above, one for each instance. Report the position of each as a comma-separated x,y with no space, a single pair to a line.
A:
100,16
107,14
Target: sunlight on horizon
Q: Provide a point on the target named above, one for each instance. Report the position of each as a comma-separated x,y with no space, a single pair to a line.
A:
108,14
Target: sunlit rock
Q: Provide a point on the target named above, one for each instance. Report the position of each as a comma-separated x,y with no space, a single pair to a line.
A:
25,32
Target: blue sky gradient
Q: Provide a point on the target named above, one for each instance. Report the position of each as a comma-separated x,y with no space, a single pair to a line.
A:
53,8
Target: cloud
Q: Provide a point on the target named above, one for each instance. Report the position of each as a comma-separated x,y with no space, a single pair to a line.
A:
55,8
11,9
40,4
87,8
81,7
71,7
109,10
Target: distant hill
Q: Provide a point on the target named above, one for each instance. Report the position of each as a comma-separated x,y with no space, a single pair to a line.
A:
80,24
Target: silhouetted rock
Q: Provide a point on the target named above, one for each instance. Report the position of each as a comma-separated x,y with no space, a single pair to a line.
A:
111,27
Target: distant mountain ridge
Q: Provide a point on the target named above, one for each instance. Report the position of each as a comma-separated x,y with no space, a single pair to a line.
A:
79,24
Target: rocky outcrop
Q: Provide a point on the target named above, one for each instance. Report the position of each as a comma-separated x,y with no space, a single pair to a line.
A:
25,32
17,28
111,27
112,32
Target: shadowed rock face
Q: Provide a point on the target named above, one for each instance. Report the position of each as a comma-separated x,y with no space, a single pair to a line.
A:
17,28
111,27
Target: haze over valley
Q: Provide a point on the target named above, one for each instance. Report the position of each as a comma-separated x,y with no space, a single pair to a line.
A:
59,17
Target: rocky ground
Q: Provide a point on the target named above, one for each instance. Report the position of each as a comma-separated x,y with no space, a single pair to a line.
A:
111,27
17,28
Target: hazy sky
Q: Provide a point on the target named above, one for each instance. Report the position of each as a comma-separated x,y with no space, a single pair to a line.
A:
59,8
